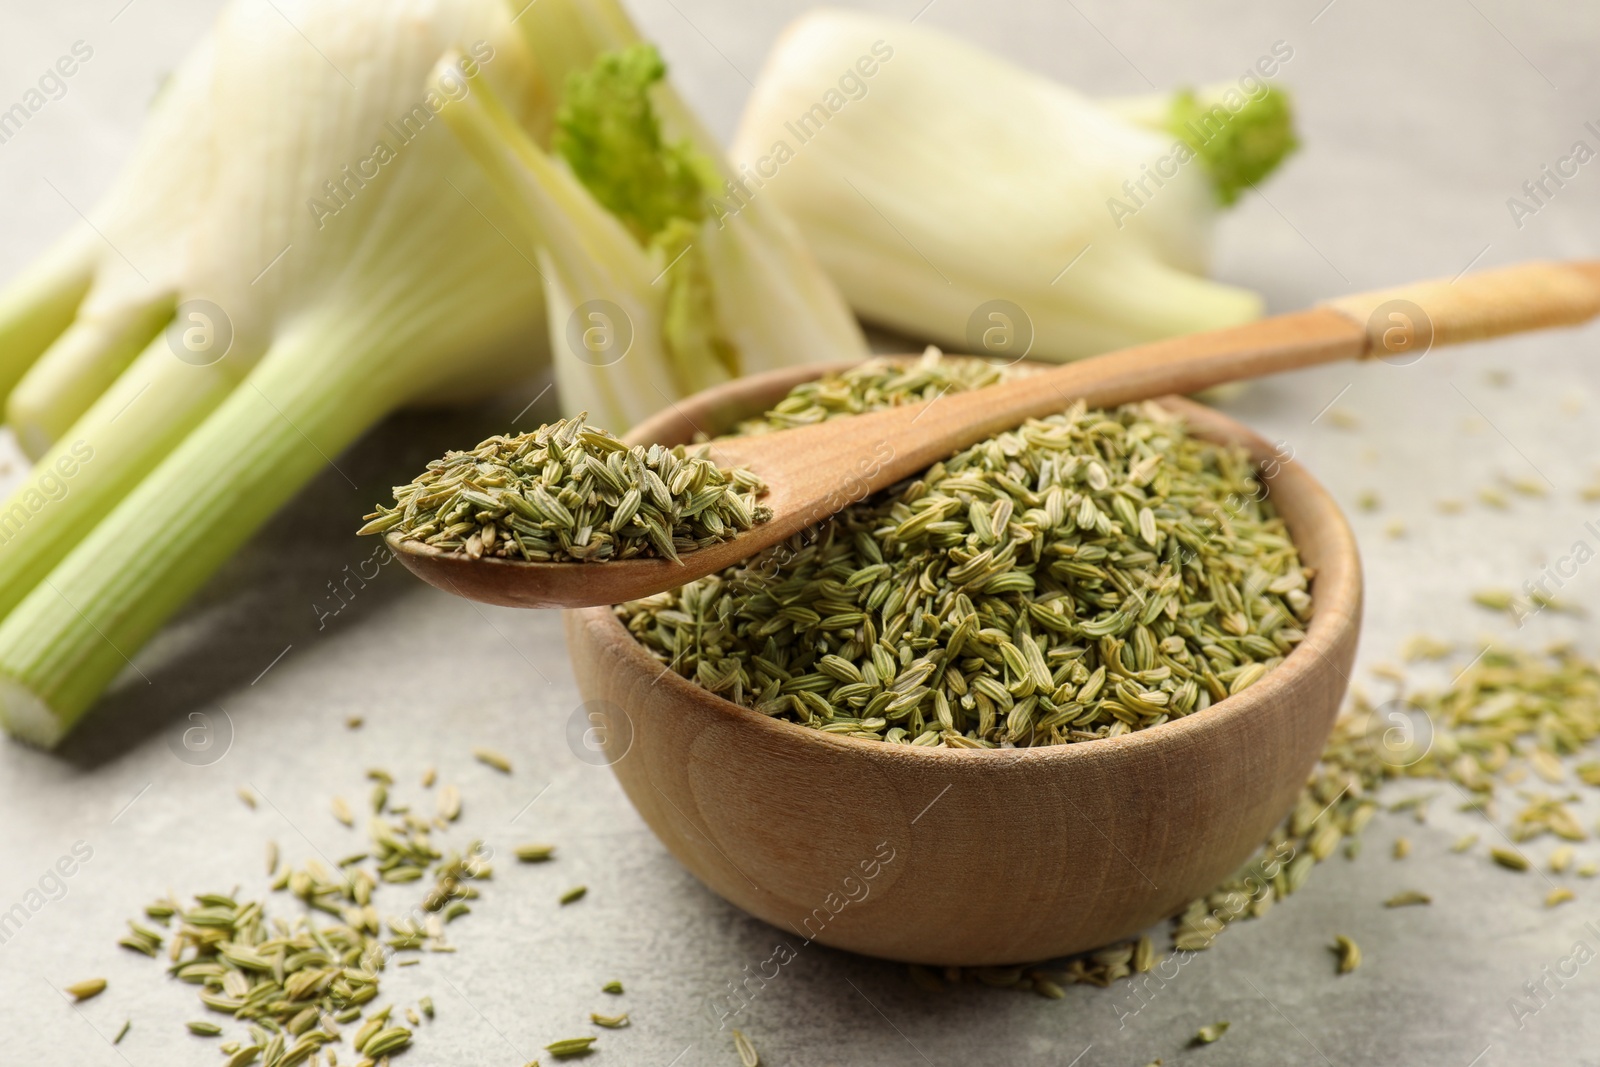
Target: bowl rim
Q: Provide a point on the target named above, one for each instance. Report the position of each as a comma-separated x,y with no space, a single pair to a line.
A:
1337,607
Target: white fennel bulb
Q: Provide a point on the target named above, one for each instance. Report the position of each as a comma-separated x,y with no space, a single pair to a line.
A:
933,179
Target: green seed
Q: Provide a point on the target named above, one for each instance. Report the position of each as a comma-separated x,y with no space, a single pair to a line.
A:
1407,898
1083,576
386,1041
1207,1035
534,853
203,1028
126,1026
89,987
1509,858
570,1046
610,1022
1349,953
570,492
748,1057
491,758
573,894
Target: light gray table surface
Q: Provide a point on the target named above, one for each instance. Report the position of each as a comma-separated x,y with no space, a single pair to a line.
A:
1419,121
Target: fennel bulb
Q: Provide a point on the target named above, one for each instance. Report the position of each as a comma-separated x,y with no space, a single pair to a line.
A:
404,293
933,180
651,295
297,249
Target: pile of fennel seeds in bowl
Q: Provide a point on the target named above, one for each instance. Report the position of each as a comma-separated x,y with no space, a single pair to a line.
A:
572,493
1083,576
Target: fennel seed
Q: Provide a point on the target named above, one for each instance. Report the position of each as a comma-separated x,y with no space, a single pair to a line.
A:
576,893
572,493
614,988
570,1046
1349,953
534,853
490,758
1510,859
89,987
1083,576
1407,898
610,1022
748,1057
1208,1035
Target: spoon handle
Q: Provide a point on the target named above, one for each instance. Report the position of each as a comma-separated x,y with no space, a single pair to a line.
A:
1398,325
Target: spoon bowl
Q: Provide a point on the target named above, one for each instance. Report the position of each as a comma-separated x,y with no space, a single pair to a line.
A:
969,857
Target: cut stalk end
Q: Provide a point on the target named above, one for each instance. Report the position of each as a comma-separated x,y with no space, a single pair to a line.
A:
26,717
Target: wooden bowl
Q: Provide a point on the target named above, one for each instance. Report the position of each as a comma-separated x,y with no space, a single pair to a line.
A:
970,857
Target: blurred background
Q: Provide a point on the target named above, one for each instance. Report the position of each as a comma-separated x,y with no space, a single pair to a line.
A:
1418,123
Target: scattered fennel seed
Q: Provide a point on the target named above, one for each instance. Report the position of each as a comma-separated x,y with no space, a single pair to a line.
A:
385,1041
1368,500
1509,858
354,722
294,982
748,1056
1407,898
426,1004
1402,847
570,1046
1528,486
1559,895
127,1024
1561,859
569,492
204,1029
1505,701
1343,418
1207,1035
535,853
341,811
574,894
1422,647
449,803
1464,842
142,939
614,988
610,1022
248,797
1494,498
1083,576
1494,599
272,858
1349,953
490,758
429,776
89,987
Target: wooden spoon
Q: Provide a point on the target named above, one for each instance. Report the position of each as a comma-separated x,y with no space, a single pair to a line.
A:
814,471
